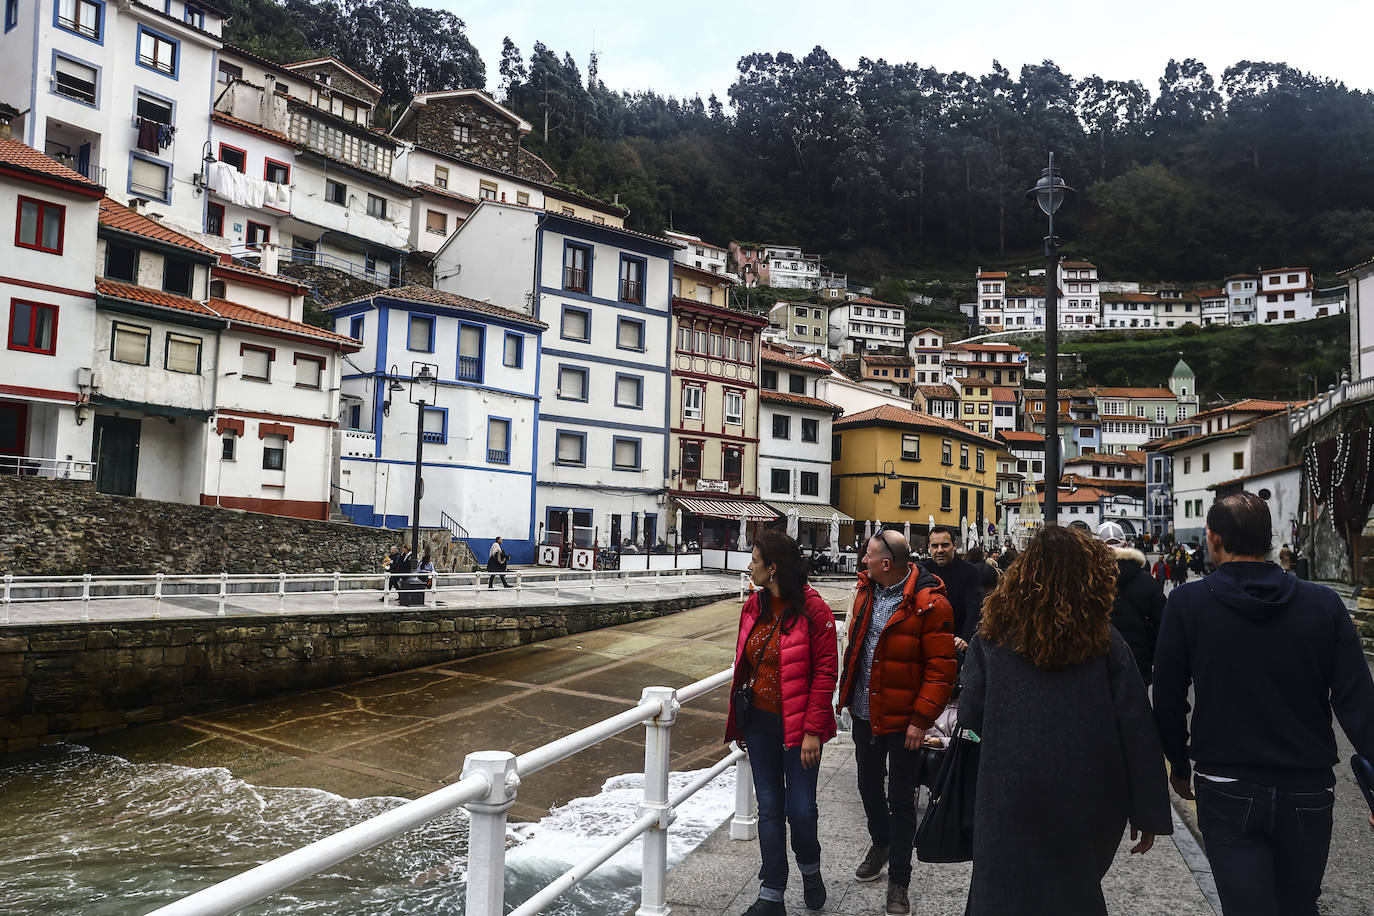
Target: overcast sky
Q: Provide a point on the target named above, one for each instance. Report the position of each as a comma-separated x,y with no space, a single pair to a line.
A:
685,49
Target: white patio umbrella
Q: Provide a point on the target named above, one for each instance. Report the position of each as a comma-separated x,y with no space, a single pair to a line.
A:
963,531
743,542
793,523
641,540
868,531
677,538
906,531
835,532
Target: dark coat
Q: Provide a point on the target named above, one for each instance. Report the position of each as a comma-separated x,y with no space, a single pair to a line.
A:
1138,609
497,562
963,591
1069,756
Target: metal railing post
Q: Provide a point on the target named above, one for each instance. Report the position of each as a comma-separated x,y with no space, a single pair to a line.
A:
556,574
281,593
86,596
223,592
157,596
336,591
592,588
745,824
657,753
517,583
486,890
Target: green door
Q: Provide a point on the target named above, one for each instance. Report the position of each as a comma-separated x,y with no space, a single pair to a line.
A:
116,449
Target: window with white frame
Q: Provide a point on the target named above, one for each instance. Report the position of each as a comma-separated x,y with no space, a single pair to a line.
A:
257,363
183,353
274,453
692,396
734,408
309,371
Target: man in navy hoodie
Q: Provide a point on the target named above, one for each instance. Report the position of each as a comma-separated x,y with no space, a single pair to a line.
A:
1270,658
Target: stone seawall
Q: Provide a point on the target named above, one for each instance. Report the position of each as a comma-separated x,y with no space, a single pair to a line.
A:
65,682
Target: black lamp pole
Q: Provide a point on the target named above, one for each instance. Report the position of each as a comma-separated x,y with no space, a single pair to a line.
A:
420,380
1049,193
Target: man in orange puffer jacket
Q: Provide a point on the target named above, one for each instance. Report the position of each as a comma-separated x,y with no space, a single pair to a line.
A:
899,672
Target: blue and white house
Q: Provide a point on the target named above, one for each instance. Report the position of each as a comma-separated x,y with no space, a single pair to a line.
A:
480,416
602,372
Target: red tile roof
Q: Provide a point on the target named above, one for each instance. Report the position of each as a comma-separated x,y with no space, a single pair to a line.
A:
899,416
227,266
117,216
435,297
888,360
799,400
947,392
250,127
1236,430
29,161
1021,436
147,296
1078,264
242,314
867,300
1138,393
1210,293
1246,405
992,274
783,358
445,192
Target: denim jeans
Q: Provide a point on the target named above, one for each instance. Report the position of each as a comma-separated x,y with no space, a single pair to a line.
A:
887,785
1267,846
786,793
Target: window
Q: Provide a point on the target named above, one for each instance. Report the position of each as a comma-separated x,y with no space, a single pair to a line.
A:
963,456
487,190
33,327
944,498
498,440
193,16
629,334
572,449
1187,465
355,327
461,132
257,363
309,371
946,452
376,206
274,453
41,225
567,211
279,172
782,426
780,480
472,339
149,178
629,391
978,462
152,108
692,396
836,446
436,222
228,73
84,17
576,268
336,193
1206,463
810,430
233,156
910,495
691,461
572,383
911,448
74,80
734,408
577,324
129,343
157,52
1238,461
631,279
182,354
522,198
435,425
177,276
810,483
11,14
796,383
420,334
732,463
513,353
625,454
227,447
768,380
257,233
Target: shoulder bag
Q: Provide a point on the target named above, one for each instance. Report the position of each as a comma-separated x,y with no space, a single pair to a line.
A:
946,831
743,699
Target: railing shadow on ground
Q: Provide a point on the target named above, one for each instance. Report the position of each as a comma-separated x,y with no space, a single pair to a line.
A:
487,788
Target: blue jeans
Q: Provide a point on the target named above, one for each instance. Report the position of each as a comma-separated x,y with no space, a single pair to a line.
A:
786,793
1267,846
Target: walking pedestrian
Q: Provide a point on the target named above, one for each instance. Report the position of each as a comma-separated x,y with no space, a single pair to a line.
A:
497,558
1178,566
960,580
1286,558
1139,602
786,650
899,673
392,567
1270,658
1069,754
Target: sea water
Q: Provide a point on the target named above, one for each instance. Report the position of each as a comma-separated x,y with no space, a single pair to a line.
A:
86,833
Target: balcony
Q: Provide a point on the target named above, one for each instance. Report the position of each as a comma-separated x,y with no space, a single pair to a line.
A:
470,368
575,279
498,456
631,291
33,466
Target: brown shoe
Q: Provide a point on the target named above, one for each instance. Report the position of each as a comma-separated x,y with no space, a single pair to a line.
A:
897,902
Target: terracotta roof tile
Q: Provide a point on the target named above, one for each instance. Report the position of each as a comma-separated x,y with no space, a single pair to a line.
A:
25,158
230,120
992,274
799,400
1175,444
783,358
148,296
226,265
117,216
887,360
1020,436
1247,405
947,392
1138,393
242,314
445,192
899,416
451,300
1077,264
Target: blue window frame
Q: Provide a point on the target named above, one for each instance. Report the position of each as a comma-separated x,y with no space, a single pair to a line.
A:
570,448
11,14
145,173
513,351
632,275
577,267
472,341
625,453
355,327
576,324
75,79
629,334
498,440
629,390
436,425
194,16
80,17
355,416
157,52
420,333
574,383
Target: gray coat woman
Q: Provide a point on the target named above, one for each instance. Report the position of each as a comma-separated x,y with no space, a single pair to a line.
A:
1070,754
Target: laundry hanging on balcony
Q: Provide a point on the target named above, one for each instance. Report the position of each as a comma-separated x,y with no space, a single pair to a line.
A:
153,136
247,191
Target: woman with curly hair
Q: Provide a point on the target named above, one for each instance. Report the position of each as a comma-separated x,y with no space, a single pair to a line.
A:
1070,754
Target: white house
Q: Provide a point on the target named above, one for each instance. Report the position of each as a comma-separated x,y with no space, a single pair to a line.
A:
926,348
1174,308
699,254
868,324
1284,295
1240,298
1216,306
789,268
1024,308
992,291
1080,307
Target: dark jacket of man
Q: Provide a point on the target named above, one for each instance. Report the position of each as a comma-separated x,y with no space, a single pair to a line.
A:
965,596
1271,658
1138,608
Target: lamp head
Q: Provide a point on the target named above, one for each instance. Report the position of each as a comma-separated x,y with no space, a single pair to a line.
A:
395,385
1050,191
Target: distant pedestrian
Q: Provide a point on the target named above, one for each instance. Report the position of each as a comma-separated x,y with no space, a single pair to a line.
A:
1286,558
1270,658
1070,754
497,558
427,571
1139,602
786,650
1178,566
392,567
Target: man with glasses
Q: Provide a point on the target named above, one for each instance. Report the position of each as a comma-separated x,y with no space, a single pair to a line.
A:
898,674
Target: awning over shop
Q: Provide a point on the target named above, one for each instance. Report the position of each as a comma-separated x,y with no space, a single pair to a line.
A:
727,508
811,512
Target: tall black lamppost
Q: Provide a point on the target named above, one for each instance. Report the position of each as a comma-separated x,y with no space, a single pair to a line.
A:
423,377
1049,193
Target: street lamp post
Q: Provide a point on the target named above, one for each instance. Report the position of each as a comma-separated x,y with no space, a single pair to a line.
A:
423,377
1049,194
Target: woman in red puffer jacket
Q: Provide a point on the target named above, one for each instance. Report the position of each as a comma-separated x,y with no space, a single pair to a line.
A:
786,651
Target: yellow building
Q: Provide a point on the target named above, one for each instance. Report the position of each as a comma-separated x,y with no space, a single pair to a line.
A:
894,466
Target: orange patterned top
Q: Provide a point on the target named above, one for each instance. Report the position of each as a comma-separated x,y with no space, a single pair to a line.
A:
763,650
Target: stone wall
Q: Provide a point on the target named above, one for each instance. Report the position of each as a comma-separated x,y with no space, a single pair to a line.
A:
66,682
62,527
339,78
493,139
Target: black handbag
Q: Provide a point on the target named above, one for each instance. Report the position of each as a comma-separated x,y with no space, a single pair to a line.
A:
742,700
946,831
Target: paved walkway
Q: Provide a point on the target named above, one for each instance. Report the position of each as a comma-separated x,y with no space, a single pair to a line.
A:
720,877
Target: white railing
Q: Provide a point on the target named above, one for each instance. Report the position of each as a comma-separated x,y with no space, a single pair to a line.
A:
33,466
1349,392
487,788
157,587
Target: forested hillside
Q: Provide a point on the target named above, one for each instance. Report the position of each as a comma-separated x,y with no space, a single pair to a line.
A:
891,167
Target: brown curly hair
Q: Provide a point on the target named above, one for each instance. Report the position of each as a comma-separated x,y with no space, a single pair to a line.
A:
1054,604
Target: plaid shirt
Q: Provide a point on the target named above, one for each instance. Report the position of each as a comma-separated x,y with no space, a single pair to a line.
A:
885,601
